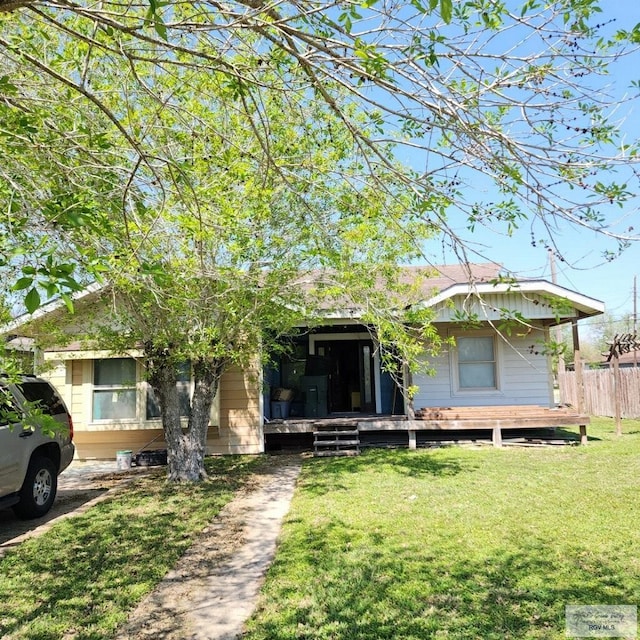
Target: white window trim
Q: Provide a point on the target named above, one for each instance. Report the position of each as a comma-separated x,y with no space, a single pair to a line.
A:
140,421
458,391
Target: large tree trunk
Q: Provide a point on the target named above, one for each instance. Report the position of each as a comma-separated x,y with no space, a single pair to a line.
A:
185,447
11,5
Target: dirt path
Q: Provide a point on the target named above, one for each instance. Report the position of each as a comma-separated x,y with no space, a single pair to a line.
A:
214,587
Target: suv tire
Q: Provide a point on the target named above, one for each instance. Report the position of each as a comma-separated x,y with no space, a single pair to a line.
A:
39,488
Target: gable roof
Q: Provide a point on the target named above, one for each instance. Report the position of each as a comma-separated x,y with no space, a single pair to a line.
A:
439,285
450,281
441,277
485,288
584,306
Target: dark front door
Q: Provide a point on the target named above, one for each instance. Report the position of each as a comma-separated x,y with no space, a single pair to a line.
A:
351,375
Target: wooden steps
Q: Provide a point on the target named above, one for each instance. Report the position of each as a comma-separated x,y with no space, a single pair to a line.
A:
336,439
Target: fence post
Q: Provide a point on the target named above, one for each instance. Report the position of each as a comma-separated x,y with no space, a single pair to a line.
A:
577,365
616,394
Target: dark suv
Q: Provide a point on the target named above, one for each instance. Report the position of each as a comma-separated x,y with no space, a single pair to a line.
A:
31,457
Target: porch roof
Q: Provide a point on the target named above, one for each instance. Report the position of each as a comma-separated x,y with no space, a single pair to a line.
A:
583,306
437,287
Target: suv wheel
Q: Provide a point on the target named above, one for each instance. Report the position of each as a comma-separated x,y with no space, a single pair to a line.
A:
39,489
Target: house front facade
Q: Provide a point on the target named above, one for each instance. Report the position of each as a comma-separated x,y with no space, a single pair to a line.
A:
498,355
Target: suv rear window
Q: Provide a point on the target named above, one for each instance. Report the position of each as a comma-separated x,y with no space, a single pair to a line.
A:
44,395
6,410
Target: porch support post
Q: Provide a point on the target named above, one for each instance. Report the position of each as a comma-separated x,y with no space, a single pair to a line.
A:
412,438
583,434
577,367
497,436
407,381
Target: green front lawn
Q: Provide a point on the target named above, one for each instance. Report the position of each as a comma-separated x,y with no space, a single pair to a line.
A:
447,543
81,578
457,542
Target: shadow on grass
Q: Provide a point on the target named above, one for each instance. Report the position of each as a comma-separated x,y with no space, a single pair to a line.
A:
571,437
67,501
82,577
360,587
329,474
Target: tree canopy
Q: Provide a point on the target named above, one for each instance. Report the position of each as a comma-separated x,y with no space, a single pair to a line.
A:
209,161
487,113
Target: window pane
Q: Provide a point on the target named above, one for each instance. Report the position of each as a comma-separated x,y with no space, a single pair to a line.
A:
114,405
477,374
43,395
476,362
475,349
184,396
153,406
114,372
183,385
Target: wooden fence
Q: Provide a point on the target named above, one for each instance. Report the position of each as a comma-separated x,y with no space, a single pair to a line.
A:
599,391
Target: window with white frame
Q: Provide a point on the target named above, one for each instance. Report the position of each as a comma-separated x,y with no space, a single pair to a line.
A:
476,362
183,385
114,389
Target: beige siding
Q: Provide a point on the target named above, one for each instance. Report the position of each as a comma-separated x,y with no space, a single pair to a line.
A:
240,413
103,445
236,424
77,405
57,374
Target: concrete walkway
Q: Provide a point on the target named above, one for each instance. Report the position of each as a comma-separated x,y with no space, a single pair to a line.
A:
215,586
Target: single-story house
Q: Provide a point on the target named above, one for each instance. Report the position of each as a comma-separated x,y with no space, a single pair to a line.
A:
334,372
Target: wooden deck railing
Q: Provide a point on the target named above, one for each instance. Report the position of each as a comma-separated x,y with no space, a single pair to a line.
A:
490,418
497,418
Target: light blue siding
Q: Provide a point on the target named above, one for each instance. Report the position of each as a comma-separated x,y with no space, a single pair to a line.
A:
524,377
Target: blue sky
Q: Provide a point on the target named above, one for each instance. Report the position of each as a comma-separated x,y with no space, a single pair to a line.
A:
585,270
610,282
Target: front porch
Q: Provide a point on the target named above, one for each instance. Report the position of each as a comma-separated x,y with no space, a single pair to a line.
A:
330,371
429,424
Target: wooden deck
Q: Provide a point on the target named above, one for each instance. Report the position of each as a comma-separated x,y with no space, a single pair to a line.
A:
494,419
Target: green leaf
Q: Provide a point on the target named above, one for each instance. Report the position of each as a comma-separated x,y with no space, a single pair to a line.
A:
23,283
32,300
153,18
7,87
160,27
446,9
68,301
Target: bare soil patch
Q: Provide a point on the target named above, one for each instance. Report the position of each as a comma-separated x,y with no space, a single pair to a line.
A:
78,490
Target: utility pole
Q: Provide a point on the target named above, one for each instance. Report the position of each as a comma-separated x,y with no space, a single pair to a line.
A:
558,330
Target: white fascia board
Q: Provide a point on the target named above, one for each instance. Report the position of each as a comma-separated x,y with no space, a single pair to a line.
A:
91,354
585,304
349,314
